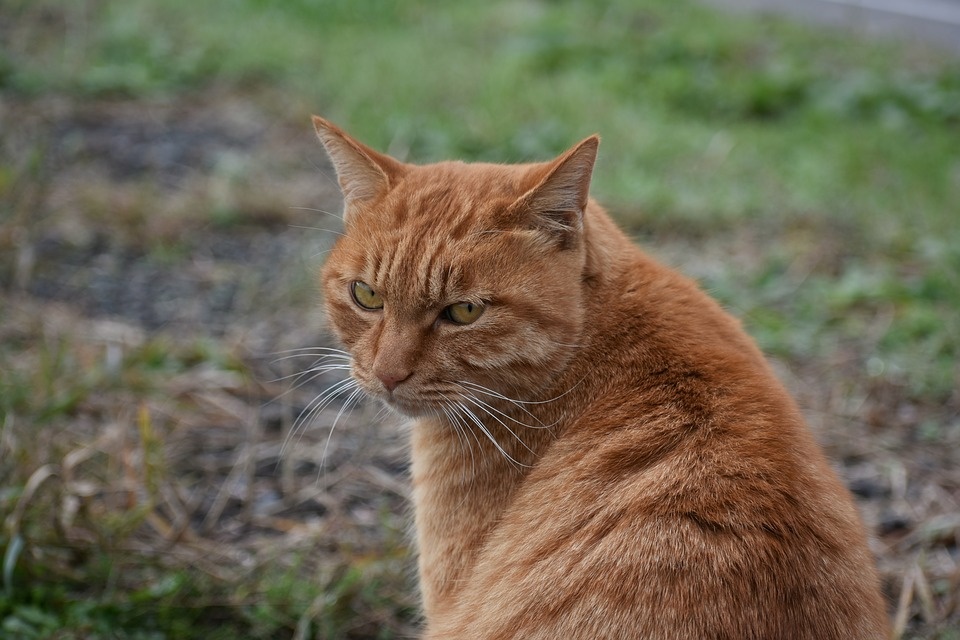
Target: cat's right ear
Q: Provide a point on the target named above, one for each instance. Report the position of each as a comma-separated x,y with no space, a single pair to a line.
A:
557,202
363,174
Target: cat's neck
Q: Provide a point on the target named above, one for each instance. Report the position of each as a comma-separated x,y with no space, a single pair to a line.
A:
462,481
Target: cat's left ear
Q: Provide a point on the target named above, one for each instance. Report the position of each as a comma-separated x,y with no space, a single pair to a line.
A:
560,196
363,174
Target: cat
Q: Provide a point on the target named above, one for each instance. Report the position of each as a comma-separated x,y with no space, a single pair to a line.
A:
598,449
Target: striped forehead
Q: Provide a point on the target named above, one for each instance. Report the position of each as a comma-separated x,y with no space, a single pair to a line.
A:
432,207
430,227
420,269
454,194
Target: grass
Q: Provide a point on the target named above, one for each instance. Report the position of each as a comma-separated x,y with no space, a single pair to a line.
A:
817,173
88,519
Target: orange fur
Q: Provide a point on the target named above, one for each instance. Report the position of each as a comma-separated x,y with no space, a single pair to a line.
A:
653,479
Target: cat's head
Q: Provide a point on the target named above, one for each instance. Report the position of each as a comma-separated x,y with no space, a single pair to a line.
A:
453,275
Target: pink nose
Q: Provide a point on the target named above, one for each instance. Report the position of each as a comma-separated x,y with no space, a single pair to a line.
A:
392,378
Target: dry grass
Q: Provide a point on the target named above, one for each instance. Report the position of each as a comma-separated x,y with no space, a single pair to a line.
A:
194,471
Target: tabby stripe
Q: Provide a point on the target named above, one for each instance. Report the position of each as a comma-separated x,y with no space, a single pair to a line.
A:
386,266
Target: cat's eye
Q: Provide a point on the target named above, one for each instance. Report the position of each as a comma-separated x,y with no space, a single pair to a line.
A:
366,297
463,312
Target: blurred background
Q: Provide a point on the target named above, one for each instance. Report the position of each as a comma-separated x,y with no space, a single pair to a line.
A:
168,462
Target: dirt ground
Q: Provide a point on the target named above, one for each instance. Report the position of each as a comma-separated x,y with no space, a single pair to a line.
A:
113,246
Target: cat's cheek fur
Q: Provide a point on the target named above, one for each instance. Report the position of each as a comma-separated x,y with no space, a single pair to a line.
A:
348,332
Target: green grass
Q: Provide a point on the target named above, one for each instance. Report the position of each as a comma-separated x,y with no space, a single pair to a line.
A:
707,118
842,155
808,122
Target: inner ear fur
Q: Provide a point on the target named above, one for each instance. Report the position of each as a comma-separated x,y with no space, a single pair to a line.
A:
557,201
363,173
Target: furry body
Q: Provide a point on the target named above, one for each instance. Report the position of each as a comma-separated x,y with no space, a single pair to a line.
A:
603,453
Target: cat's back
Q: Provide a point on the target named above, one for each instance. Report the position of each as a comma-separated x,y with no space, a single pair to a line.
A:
684,498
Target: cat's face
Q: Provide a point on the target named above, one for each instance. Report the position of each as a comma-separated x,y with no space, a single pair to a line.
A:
451,279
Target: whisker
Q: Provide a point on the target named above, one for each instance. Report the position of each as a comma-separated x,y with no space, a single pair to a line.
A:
460,426
491,407
480,387
320,253
332,393
320,357
311,349
306,415
517,403
314,209
479,423
317,372
314,369
353,397
314,407
381,412
456,410
323,229
485,408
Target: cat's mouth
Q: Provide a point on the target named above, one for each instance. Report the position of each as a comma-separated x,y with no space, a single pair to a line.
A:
458,403
402,400
437,397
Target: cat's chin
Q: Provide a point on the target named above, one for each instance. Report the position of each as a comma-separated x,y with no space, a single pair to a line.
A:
406,402
408,408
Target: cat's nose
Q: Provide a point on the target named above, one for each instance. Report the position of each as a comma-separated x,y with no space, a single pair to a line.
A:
391,379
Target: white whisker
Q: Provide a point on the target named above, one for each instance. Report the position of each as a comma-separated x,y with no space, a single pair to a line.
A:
332,215
479,423
318,369
460,428
489,391
486,408
325,230
320,357
353,397
314,407
317,372
309,350
518,404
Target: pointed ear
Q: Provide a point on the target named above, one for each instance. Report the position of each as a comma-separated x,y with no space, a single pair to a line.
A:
557,202
363,173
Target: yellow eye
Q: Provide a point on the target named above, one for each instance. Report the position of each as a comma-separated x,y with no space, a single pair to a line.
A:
463,312
366,297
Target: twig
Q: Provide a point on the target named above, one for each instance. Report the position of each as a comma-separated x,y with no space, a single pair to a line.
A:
903,606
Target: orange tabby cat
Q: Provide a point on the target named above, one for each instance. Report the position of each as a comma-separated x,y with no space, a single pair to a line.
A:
599,450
